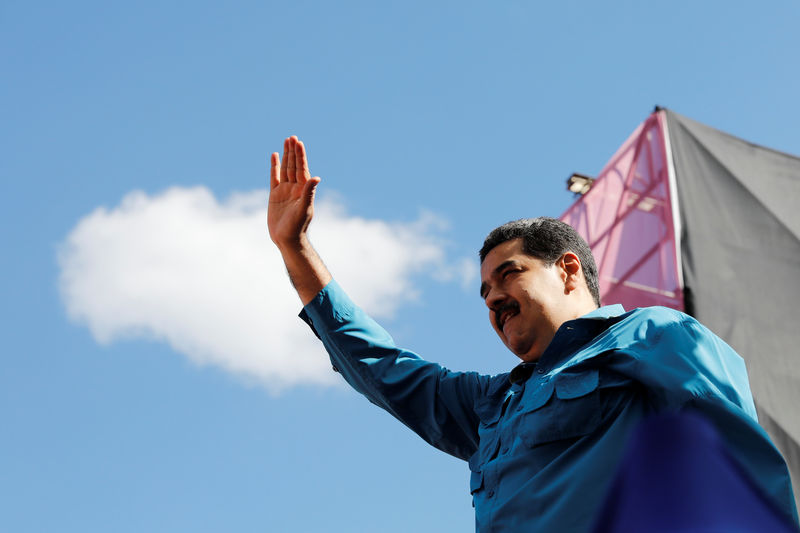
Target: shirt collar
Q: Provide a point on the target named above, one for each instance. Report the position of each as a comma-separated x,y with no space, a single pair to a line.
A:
521,372
607,311
570,335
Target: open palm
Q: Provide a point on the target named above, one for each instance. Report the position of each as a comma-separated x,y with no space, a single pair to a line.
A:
291,194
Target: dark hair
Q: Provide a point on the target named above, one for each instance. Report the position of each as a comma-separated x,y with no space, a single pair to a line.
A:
547,239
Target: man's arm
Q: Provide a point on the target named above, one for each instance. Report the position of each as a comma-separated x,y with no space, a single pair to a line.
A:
291,208
434,402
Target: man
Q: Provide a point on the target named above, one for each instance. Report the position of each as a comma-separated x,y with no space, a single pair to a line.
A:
543,441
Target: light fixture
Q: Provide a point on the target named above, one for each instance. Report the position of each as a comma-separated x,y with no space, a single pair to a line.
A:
579,183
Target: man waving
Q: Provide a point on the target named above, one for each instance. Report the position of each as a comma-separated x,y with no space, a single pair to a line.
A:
545,440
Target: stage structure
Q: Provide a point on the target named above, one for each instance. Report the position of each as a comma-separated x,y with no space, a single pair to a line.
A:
692,218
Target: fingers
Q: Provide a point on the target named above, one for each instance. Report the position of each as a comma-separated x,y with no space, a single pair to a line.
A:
274,170
291,171
301,162
284,161
294,165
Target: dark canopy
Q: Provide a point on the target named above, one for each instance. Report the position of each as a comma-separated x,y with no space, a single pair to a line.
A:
739,207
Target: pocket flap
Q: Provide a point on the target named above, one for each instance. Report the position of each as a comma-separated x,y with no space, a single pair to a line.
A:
537,397
569,385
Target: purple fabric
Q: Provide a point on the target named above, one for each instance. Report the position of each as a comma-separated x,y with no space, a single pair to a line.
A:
677,476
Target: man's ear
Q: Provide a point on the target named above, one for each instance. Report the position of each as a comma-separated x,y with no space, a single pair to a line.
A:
571,271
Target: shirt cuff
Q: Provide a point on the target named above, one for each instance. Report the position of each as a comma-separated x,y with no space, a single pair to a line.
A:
328,310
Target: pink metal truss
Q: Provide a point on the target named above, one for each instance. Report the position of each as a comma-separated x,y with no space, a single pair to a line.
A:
627,219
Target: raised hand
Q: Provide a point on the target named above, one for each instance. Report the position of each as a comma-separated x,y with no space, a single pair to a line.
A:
291,195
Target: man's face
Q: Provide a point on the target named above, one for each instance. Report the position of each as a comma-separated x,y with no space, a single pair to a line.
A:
524,297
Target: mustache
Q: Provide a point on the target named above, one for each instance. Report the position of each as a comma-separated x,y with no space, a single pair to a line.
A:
511,306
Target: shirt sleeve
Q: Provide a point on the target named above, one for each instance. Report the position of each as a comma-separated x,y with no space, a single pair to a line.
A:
436,403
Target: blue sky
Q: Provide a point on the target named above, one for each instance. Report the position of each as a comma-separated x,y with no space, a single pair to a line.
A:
154,376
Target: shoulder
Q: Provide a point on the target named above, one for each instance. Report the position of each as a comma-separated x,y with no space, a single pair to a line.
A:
656,329
646,327
658,316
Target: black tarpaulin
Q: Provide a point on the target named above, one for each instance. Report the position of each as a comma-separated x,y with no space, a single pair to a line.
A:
740,258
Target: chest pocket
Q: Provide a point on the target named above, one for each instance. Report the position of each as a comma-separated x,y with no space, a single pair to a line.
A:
488,410
566,407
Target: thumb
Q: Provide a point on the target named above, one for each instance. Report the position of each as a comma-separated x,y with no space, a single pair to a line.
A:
309,190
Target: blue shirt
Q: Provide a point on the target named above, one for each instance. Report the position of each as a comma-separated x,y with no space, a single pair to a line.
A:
544,440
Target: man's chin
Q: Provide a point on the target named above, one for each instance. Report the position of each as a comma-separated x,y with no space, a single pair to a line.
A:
526,355
529,358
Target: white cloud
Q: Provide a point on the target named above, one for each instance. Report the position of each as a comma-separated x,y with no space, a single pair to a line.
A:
203,276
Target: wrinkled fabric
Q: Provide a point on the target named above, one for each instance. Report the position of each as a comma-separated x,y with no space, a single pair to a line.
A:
543,442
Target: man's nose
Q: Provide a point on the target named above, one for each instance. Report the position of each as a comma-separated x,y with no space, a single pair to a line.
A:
495,299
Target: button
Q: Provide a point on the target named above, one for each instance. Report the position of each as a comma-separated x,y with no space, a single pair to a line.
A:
540,370
491,493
